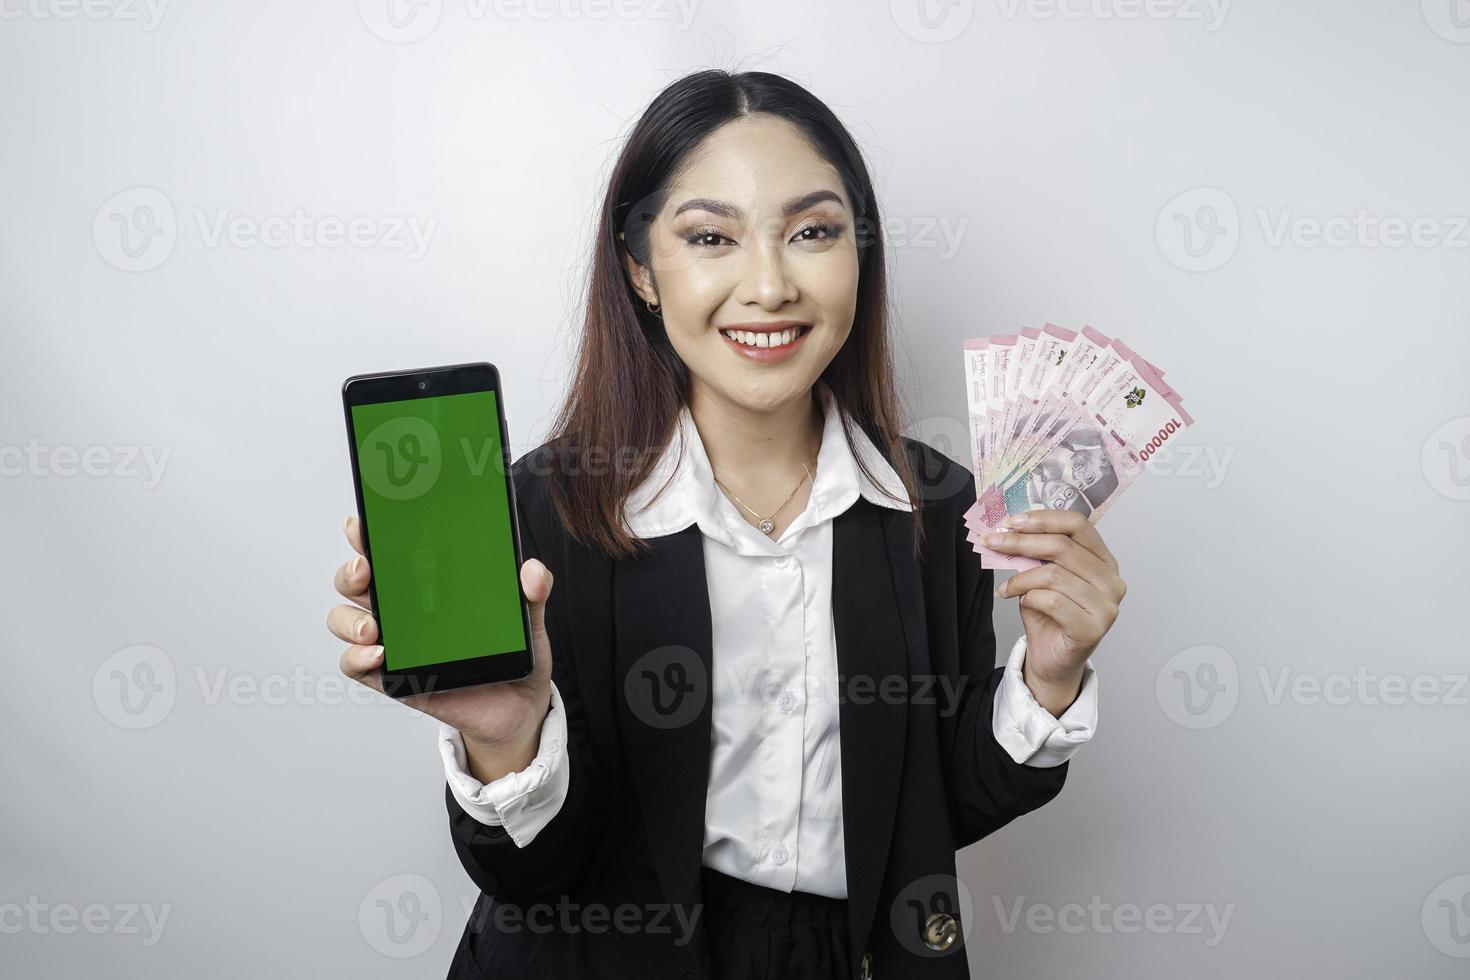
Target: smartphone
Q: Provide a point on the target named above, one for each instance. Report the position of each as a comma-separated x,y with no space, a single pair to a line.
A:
431,469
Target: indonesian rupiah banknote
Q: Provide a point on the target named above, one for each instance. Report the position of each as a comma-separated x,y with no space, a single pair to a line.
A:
1059,420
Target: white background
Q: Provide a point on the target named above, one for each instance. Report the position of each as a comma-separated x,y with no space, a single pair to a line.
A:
1314,529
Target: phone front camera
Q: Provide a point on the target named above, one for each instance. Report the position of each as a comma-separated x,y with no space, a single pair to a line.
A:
423,385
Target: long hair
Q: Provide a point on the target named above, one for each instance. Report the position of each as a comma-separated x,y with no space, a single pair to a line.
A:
629,383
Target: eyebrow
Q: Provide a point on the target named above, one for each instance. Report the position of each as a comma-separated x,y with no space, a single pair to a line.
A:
728,210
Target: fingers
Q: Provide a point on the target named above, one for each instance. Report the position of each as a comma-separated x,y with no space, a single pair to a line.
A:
352,624
352,578
353,530
1076,623
1067,522
361,663
1064,551
361,660
351,581
1056,578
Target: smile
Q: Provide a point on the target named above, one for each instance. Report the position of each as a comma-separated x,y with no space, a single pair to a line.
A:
767,345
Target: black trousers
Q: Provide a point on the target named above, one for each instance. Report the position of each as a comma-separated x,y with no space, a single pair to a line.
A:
757,933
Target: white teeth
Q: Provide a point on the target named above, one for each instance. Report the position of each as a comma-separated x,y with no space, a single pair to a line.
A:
752,338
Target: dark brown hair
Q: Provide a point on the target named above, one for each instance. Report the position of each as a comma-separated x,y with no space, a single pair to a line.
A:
629,383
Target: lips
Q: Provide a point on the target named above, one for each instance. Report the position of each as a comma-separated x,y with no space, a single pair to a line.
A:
767,345
766,337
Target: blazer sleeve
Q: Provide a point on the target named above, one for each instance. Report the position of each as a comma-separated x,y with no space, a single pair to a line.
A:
989,788
570,846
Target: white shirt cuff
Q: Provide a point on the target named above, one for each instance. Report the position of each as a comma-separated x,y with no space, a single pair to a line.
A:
522,802
1029,733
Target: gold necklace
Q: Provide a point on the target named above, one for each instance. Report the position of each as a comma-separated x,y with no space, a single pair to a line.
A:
766,524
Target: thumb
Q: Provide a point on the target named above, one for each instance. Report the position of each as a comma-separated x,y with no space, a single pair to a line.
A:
536,582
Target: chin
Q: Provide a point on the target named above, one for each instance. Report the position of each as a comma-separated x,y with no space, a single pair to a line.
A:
768,394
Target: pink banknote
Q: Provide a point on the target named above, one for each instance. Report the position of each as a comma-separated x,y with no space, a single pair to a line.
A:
1059,420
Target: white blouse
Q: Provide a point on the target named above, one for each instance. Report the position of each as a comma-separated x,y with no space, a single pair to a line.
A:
773,811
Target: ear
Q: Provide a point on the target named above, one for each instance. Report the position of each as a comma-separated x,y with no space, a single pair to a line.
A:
639,275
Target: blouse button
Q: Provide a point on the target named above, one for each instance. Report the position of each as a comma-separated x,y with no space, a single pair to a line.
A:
783,561
787,701
779,855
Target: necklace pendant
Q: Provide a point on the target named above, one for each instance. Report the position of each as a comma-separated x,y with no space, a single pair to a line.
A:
767,527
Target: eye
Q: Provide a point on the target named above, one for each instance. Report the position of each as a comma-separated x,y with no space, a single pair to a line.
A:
698,238
821,231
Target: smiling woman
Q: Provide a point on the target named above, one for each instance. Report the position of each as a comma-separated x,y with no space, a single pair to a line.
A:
700,740
741,226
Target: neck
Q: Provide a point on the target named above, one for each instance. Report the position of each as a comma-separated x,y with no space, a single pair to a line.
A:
758,453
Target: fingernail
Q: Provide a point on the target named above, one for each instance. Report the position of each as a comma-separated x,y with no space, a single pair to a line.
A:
1015,520
346,523
372,654
546,574
1000,591
355,567
994,539
361,629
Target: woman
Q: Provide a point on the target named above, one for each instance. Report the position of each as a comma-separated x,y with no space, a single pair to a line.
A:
765,711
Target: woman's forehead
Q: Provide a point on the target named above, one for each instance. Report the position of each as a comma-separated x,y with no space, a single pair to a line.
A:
761,167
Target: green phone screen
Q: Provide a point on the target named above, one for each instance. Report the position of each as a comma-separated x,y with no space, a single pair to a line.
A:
438,521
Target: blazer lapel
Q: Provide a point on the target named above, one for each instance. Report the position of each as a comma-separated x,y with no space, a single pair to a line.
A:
877,609
662,672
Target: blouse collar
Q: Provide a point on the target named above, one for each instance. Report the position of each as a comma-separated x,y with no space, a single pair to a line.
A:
691,496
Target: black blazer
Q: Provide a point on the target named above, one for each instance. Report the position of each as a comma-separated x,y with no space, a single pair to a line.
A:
611,886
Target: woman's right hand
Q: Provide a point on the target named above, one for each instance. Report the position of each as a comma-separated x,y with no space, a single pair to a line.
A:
500,723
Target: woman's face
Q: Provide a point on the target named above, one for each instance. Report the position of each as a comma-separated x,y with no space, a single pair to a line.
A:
757,230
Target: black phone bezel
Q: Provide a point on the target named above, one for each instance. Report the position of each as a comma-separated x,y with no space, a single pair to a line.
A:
430,382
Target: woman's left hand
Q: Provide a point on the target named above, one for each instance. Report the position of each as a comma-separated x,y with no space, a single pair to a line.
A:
1067,605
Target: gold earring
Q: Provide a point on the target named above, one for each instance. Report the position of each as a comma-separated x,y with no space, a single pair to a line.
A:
652,307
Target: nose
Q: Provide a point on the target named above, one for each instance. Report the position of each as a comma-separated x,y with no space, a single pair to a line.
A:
765,279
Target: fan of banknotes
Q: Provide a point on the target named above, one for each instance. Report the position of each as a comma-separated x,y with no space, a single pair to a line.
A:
1059,420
